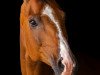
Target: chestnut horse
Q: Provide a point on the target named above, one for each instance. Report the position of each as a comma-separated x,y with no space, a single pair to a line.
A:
44,49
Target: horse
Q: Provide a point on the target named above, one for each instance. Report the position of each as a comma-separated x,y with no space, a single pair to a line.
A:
44,48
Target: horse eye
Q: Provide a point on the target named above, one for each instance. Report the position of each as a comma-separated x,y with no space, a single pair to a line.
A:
33,23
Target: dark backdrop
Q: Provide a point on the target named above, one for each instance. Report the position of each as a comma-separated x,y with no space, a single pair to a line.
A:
83,33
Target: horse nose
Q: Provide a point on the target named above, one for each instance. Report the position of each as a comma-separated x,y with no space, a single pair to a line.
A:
60,65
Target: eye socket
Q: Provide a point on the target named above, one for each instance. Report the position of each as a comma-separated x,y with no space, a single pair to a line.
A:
33,23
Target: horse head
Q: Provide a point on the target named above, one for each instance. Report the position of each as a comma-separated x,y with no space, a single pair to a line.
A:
43,36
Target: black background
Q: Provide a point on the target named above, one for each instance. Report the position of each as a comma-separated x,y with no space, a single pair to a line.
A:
82,25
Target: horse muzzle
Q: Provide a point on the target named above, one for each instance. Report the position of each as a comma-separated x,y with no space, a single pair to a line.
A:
63,66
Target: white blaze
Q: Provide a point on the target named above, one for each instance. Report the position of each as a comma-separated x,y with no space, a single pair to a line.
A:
63,44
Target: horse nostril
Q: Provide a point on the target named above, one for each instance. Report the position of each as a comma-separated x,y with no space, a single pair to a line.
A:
60,65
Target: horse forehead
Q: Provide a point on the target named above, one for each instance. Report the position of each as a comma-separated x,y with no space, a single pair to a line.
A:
49,11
